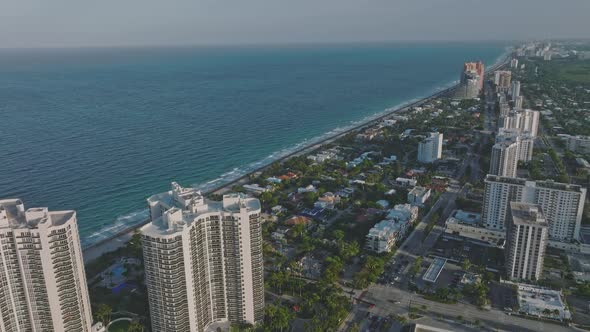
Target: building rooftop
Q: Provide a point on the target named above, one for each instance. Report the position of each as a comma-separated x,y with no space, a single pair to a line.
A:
434,269
466,217
419,191
549,184
183,206
13,215
527,214
534,300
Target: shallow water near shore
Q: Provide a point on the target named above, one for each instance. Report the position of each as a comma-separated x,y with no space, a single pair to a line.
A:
99,130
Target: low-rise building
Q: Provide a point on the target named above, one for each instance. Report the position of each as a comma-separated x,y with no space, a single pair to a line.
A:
405,182
327,201
418,195
255,189
542,302
385,234
578,144
308,189
274,180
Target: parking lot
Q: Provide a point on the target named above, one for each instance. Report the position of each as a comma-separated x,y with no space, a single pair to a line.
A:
477,252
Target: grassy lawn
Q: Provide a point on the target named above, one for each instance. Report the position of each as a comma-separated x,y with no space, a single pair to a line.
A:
120,326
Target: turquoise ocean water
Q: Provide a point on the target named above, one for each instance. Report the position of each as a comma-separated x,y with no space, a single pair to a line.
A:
99,130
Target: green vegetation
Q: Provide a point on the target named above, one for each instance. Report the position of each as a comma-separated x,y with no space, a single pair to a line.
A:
431,223
568,71
120,326
444,295
478,292
372,268
416,267
277,318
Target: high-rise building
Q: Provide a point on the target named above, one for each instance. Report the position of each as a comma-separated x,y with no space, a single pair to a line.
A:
504,159
42,278
514,63
471,80
474,67
525,142
526,240
502,79
515,90
203,260
563,204
430,149
525,120
469,89
518,102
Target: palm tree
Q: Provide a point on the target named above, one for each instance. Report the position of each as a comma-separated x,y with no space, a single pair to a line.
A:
135,327
103,314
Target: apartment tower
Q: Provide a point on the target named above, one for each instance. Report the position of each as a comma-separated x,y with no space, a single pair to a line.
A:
562,204
504,160
203,260
526,240
430,149
502,79
525,120
42,278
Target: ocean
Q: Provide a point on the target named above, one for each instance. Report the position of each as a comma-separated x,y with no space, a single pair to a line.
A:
98,130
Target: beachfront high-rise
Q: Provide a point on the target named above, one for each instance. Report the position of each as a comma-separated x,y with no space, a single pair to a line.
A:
526,240
562,204
473,67
203,260
42,278
430,149
471,80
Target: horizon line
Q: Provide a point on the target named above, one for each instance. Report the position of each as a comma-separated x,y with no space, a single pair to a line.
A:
271,43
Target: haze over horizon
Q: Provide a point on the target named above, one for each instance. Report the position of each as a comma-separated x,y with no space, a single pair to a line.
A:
69,23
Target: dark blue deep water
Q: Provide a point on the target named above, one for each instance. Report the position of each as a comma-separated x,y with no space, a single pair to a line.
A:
99,130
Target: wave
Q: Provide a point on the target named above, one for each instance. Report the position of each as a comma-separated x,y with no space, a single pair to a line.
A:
121,224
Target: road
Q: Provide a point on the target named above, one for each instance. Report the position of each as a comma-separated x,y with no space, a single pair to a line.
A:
386,302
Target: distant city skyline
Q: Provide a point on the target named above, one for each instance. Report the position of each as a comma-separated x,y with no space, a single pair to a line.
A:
67,23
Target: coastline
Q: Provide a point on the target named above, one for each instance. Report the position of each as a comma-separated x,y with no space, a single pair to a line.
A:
121,238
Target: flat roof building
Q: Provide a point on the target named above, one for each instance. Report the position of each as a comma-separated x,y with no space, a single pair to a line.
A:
526,240
504,160
434,269
383,236
562,204
430,149
418,195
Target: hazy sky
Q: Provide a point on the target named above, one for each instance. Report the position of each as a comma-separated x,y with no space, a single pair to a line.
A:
55,23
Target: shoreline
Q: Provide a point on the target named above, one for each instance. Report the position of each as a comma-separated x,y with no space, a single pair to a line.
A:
120,238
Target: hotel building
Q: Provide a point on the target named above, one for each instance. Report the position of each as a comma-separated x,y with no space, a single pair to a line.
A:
203,260
42,278
562,204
